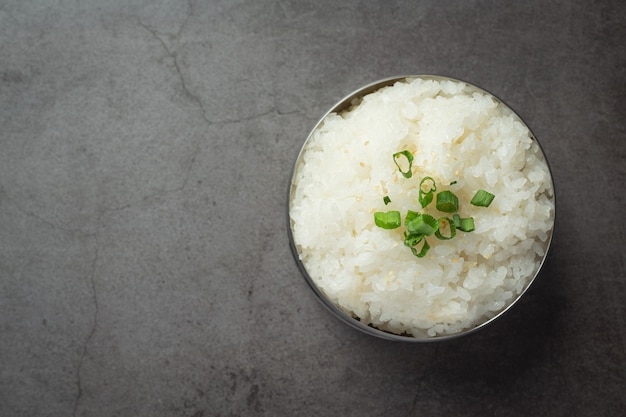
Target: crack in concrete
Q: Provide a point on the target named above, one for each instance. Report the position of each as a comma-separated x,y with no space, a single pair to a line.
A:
195,98
61,227
81,361
79,234
171,53
174,56
184,24
185,88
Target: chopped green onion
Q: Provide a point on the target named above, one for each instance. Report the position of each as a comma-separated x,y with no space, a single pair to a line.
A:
447,202
418,226
423,252
467,225
410,215
456,219
387,220
422,224
441,221
409,157
425,197
430,188
464,225
482,198
412,240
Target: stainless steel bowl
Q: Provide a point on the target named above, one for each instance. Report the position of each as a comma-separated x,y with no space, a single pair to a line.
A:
344,104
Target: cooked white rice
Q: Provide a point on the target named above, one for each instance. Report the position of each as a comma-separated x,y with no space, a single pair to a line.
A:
456,133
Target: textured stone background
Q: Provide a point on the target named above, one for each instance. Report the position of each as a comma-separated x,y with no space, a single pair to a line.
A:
145,156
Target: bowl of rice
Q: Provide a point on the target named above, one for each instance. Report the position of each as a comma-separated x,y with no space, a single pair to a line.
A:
421,208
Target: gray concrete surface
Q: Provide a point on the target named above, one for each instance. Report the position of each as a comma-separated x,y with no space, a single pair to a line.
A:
145,155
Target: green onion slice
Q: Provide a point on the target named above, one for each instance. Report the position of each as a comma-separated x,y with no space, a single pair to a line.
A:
456,219
409,157
410,215
387,220
412,240
386,200
423,252
467,225
422,224
464,225
426,191
441,221
482,198
428,188
425,199
447,202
